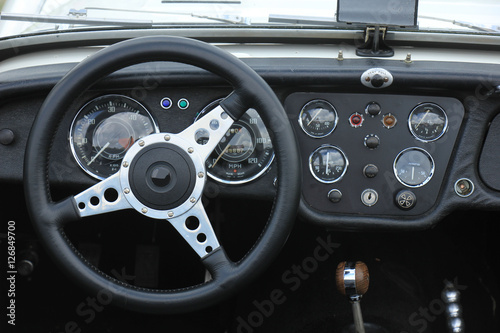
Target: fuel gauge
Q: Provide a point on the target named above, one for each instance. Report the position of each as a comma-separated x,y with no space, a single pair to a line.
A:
318,118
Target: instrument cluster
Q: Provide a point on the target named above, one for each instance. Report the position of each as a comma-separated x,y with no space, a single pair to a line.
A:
376,154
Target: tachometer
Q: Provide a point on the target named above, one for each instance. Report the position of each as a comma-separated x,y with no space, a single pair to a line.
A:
104,129
244,153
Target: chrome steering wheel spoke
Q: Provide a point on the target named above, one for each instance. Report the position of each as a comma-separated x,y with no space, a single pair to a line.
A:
195,227
105,196
206,133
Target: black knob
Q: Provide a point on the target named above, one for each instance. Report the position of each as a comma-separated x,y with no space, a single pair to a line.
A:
377,80
335,196
370,170
27,261
406,199
372,141
373,109
6,136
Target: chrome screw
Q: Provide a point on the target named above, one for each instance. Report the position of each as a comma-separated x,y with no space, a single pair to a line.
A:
170,214
190,150
125,164
141,143
126,190
167,137
201,175
193,200
144,210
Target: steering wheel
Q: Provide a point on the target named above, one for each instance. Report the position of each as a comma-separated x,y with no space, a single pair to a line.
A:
162,176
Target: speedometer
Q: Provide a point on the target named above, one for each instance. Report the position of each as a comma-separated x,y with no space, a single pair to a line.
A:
104,129
244,153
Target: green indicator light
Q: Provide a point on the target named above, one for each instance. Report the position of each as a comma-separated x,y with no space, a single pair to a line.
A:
183,104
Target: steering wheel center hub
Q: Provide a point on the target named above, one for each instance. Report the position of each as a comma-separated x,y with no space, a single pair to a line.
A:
162,178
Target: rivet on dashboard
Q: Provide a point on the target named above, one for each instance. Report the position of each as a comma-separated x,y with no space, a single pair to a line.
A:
170,214
141,143
201,175
144,210
126,190
190,150
408,58
340,57
125,164
167,137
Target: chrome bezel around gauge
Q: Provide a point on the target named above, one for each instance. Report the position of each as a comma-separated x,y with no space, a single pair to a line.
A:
416,135
245,180
332,109
431,171
346,161
85,108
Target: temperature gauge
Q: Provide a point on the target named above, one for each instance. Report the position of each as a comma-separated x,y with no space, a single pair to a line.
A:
428,122
328,164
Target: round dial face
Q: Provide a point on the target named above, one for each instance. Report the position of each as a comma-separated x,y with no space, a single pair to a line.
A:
328,164
244,153
104,129
414,167
428,122
318,118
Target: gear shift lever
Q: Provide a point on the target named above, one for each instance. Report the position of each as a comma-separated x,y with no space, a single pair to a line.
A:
352,280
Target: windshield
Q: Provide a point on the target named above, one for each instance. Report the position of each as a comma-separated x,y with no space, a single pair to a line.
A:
29,16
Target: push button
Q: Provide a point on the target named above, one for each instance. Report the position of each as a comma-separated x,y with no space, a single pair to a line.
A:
406,199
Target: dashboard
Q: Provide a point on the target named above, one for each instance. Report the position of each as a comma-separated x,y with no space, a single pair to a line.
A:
396,156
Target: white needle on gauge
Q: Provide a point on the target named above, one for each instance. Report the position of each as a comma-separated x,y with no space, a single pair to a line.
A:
218,158
421,120
412,172
327,161
317,113
98,153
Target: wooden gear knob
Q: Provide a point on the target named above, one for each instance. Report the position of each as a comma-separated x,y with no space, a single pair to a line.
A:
352,279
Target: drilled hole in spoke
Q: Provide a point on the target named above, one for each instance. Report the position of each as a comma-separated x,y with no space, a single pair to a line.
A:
111,195
201,238
81,205
192,223
94,201
208,249
202,136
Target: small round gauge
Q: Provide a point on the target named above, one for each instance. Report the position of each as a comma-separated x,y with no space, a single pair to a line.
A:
328,164
104,129
428,122
414,167
318,118
244,153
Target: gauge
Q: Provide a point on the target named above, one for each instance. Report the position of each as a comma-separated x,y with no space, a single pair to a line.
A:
244,153
414,167
328,164
318,118
104,129
428,122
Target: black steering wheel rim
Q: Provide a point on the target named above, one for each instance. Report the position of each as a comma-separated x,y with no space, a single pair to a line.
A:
49,217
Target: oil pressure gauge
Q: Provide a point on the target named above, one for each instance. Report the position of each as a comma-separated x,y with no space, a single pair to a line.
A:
428,122
328,164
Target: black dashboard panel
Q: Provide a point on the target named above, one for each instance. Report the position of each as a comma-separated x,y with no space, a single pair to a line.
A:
351,140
